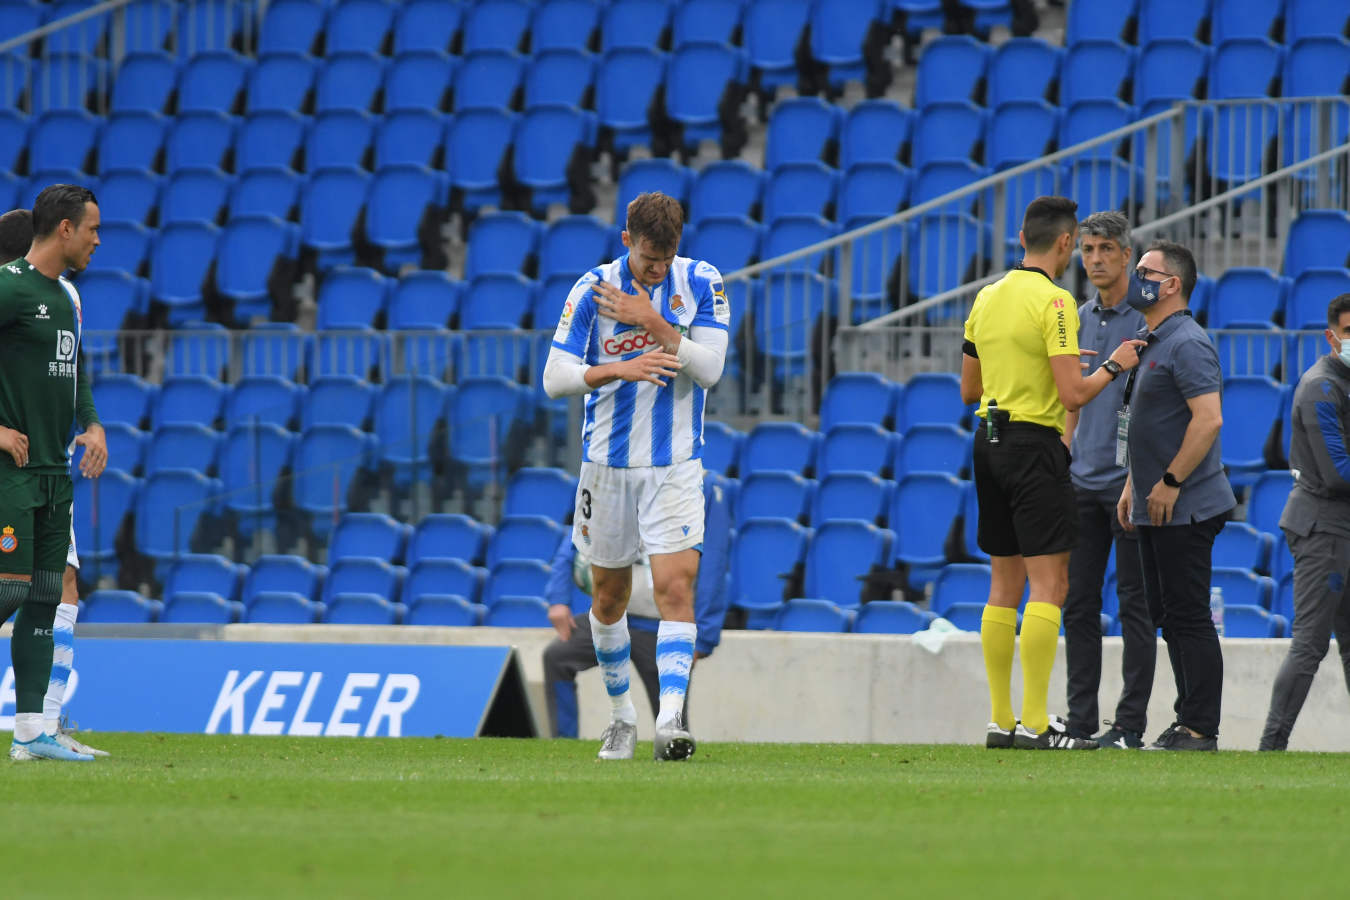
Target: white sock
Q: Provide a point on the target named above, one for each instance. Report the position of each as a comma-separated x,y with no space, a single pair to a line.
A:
612,650
27,726
63,660
674,659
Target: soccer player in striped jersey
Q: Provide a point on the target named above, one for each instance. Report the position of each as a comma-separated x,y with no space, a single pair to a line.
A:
644,338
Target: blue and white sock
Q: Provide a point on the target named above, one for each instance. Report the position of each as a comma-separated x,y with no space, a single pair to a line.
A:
674,659
612,651
63,660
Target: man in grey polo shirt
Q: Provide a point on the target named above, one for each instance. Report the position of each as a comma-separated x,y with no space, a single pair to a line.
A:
1176,495
1104,322
1316,521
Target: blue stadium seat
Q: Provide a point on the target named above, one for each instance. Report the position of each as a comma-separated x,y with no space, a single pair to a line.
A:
66,81
363,574
1306,306
63,139
496,25
144,83
362,608
339,137
960,583
842,553
475,143
725,188
436,576
495,303
146,24
804,129
1318,238
922,548
272,192
410,137
704,80
1244,621
168,510
349,351
1250,404
875,131
281,82
516,578
360,26
213,81
282,573
1239,136
263,399
786,309
194,195
419,82
540,492
14,129
119,607
123,246
321,488
254,254
192,399
563,25
850,447
931,398
524,538
779,447
634,24
422,300
551,145
488,79
1022,130
858,398
201,348
560,77
1250,349
119,296
274,348
448,537
204,572
349,82
1315,67
952,68
123,398
969,526
1239,19
126,446
1242,587
208,25
721,447
1240,546
403,212
328,209
517,612
1105,183
839,35
800,189
198,140
1169,70
706,21
408,410
948,131
500,244
85,37
200,608
938,179
851,495
1098,21
641,176
772,32
1095,70
283,608
101,506
1309,18
427,25
1267,499
338,400
268,140
943,251
811,615
764,555
1159,19
183,446
292,26
790,233
571,246
1247,296
933,448
891,617
625,85
477,405
1283,604
444,609
252,462
774,494
1024,68
728,242
873,190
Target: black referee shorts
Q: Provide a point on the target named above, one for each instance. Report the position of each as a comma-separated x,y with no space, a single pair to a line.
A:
1027,505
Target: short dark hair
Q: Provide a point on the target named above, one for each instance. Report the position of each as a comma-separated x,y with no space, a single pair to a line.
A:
1180,262
657,217
16,234
1337,306
59,202
1045,220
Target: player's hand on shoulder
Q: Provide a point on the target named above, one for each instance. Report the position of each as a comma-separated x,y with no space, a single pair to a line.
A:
653,366
15,443
630,309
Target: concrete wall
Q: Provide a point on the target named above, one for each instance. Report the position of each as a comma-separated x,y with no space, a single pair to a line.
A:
770,686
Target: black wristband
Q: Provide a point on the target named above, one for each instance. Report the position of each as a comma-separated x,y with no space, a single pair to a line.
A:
1171,480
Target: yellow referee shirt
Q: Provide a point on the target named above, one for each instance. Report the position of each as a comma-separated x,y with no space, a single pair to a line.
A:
1016,325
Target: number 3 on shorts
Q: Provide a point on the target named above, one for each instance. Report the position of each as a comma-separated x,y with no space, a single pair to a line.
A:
585,504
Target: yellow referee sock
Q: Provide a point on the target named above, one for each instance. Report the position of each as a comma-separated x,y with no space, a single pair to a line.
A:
998,635
1040,641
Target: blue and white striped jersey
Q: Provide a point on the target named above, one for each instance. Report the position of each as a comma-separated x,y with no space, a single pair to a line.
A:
632,424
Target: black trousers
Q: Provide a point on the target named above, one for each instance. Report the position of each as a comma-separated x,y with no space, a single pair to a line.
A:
1178,563
1098,529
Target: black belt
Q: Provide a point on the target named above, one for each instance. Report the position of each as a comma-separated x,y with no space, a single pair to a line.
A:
1012,427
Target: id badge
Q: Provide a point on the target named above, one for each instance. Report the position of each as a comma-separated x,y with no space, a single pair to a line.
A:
1123,437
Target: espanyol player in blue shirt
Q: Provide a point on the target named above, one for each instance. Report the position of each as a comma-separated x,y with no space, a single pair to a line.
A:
644,338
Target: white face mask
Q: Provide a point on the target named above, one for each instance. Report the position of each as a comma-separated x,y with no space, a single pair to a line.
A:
1345,352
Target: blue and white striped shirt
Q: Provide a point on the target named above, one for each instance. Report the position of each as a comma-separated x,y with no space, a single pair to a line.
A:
633,424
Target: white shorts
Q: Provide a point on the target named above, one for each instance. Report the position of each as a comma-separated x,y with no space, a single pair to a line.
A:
622,512
72,558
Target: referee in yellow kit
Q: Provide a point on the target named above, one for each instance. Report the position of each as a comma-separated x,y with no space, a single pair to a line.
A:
1021,362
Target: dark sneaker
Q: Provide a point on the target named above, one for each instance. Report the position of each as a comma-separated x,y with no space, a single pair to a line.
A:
1055,737
1177,737
1117,738
996,738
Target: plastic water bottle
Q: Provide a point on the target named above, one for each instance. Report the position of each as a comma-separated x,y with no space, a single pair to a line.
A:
1216,608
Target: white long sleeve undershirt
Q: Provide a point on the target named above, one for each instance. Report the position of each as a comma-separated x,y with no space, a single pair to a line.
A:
702,354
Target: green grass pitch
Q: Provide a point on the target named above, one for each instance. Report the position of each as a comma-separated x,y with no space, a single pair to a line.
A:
196,816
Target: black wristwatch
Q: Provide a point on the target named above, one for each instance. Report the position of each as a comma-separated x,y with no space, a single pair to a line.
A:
1112,368
1171,480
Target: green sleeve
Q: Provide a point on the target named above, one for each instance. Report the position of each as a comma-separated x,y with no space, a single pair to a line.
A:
85,413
